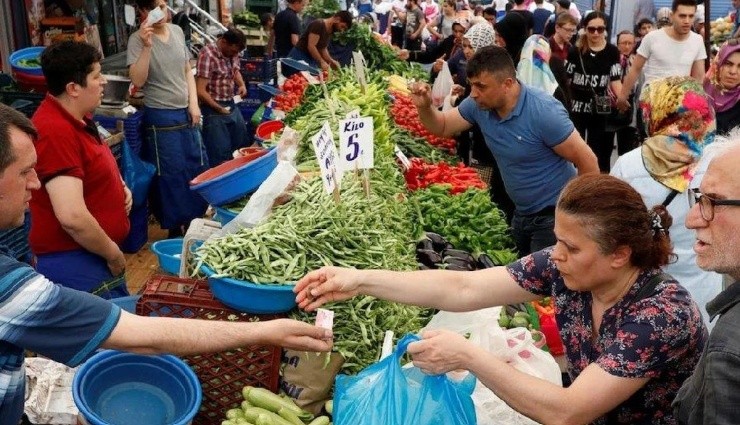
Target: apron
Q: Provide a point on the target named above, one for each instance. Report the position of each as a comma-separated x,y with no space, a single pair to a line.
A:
176,149
82,270
223,134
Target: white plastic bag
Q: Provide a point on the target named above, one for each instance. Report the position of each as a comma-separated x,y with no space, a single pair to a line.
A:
515,346
442,86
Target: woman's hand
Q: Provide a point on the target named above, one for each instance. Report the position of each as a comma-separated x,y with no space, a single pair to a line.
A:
194,112
437,67
327,284
440,351
145,33
457,90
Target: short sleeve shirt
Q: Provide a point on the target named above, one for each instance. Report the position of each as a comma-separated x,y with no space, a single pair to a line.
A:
523,143
316,27
667,57
62,324
590,73
219,71
286,24
660,337
68,147
166,85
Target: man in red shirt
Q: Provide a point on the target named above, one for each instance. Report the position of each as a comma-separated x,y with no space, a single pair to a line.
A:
80,215
217,81
565,27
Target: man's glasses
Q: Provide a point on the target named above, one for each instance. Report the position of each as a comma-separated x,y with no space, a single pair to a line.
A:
707,204
594,30
568,30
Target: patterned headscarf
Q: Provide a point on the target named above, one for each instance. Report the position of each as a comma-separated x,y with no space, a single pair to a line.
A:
480,35
679,121
723,99
534,66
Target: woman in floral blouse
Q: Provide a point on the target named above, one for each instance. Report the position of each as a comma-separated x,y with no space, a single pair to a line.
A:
628,348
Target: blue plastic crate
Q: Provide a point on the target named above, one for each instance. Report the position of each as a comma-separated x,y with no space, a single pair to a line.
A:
139,233
259,70
132,128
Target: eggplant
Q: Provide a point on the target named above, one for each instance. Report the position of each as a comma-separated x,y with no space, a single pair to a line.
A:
485,262
459,262
423,266
459,253
438,242
456,268
425,243
428,257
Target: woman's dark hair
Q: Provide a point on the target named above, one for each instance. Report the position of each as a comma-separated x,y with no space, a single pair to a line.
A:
146,4
265,18
614,214
10,117
513,29
68,62
582,43
492,59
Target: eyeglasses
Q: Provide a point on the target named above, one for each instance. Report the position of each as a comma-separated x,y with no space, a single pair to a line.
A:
707,204
594,30
568,30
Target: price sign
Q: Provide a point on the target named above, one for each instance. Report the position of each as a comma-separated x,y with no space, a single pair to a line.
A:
310,78
326,154
356,150
402,157
359,62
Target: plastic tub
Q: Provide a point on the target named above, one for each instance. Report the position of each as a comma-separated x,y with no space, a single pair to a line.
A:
267,129
27,53
224,215
30,82
116,388
234,179
168,253
250,297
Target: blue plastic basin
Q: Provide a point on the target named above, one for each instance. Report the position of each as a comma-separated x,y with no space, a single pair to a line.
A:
224,215
117,388
27,53
251,297
238,182
168,253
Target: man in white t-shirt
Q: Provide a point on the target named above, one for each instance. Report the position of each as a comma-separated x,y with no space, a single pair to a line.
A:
670,51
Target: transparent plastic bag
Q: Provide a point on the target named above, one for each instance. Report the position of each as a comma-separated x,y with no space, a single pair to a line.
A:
442,86
385,393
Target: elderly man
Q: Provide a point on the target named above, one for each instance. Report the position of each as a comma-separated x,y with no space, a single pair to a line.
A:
68,326
529,133
712,394
217,81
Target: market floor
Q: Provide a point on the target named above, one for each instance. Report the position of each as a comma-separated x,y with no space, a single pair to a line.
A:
143,264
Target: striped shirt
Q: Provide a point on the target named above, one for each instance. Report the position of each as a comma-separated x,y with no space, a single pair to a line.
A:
219,71
35,314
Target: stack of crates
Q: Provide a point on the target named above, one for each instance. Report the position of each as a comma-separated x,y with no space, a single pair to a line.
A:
132,128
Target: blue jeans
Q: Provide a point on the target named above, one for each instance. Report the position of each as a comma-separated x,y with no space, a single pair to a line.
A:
223,134
532,232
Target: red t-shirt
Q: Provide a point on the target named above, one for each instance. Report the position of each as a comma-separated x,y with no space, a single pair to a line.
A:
69,147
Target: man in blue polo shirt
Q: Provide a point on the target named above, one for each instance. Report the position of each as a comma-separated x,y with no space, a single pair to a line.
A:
67,325
529,134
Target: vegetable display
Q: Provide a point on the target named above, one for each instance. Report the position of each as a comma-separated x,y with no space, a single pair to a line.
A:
417,147
458,178
406,116
262,407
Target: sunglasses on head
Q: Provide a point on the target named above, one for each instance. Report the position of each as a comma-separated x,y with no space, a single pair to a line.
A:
594,30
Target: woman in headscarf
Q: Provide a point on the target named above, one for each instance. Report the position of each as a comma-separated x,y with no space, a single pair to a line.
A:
511,33
538,68
680,126
594,68
722,84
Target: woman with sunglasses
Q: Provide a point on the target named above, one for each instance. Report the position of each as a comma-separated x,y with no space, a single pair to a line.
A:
722,84
594,69
631,335
679,120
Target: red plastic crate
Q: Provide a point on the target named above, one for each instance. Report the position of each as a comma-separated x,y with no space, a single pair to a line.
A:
222,375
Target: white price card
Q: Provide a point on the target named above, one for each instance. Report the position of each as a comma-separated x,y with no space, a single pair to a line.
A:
356,150
359,61
310,78
129,15
402,157
326,154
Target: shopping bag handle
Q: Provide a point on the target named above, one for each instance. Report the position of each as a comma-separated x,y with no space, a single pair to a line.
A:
467,384
403,344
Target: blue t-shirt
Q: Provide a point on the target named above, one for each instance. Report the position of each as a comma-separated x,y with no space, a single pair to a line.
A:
522,143
62,324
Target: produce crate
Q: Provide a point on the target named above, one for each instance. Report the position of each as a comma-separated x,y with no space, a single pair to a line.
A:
260,70
222,375
132,128
18,97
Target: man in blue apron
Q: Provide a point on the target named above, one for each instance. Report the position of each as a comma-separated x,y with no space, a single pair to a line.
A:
80,214
217,80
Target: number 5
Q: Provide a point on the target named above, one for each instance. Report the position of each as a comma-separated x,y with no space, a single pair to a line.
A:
352,144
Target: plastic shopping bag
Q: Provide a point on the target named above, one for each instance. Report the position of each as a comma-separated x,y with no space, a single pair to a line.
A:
385,393
515,346
442,86
137,174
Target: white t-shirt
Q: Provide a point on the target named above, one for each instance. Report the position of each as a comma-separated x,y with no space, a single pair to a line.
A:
546,5
667,57
702,285
500,5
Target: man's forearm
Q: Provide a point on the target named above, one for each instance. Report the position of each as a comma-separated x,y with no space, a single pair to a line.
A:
433,120
86,231
629,83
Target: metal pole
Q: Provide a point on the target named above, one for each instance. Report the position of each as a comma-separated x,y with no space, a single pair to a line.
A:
707,33
210,18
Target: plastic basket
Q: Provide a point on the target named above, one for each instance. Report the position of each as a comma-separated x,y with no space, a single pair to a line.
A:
19,98
132,128
222,375
259,70
139,233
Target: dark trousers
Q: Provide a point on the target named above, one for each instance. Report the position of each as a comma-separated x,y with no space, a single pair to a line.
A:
533,232
592,128
627,140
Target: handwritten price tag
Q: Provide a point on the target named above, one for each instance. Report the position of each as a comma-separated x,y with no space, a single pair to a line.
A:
356,150
326,154
359,61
